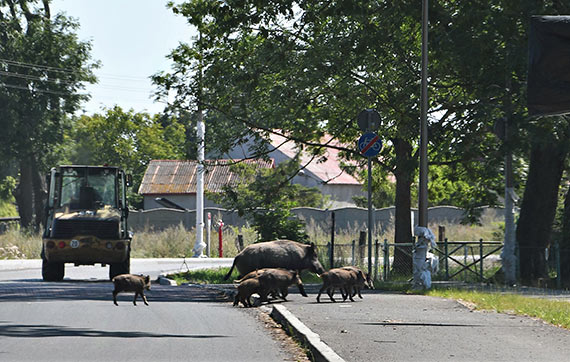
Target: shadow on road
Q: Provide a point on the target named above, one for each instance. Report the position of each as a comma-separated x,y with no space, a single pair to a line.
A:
41,330
102,290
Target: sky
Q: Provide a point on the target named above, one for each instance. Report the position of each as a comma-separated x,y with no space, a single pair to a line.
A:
131,39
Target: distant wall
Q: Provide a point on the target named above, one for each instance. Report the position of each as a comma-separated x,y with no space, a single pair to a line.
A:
348,218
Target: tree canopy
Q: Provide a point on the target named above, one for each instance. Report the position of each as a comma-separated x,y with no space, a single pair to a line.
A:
125,138
42,69
303,68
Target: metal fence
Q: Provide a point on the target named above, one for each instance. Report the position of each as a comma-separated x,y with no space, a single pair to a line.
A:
458,260
7,223
467,261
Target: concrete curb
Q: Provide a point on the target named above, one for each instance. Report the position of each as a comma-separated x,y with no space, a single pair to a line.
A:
163,280
321,352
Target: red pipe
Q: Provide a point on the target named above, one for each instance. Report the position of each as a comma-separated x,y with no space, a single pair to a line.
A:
220,246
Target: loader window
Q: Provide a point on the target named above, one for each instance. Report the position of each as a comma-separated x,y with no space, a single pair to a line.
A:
103,183
71,182
83,188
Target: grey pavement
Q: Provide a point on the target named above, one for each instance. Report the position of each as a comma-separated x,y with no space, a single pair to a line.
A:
385,326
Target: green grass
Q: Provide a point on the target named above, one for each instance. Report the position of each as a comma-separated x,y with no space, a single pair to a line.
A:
551,311
554,312
202,276
215,276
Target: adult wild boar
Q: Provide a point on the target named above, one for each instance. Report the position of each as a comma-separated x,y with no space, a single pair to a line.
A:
131,283
285,254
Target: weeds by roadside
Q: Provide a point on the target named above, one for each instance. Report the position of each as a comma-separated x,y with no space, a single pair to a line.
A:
16,244
177,241
551,311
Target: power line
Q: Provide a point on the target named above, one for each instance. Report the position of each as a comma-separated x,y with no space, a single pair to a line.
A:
37,78
103,87
39,90
71,71
37,66
63,82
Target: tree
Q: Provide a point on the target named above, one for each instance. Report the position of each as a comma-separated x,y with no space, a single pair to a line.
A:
266,198
495,85
307,68
268,67
126,139
42,67
548,158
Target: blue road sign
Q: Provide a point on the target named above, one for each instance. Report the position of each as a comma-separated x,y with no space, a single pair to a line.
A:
369,144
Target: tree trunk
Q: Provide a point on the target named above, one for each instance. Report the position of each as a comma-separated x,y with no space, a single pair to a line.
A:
40,194
539,208
403,233
24,194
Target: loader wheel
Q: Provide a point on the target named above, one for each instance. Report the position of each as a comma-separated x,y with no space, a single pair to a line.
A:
52,272
120,268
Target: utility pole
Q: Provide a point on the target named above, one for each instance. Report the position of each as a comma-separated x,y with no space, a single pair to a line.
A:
423,189
422,233
199,245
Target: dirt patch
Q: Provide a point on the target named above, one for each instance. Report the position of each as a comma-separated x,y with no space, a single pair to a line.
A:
289,345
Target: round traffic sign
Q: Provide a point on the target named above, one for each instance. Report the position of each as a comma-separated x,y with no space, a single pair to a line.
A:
369,144
368,120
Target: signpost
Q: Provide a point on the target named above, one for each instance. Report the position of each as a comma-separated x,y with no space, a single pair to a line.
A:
369,145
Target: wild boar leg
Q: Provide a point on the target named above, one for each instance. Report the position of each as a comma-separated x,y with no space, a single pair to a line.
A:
144,298
302,290
115,297
284,292
135,299
344,292
320,292
330,292
349,293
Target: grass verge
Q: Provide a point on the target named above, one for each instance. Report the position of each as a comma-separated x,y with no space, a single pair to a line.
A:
216,276
551,311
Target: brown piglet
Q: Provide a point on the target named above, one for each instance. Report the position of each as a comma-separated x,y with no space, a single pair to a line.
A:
131,283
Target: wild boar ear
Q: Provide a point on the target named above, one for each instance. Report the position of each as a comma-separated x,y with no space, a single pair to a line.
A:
313,246
147,278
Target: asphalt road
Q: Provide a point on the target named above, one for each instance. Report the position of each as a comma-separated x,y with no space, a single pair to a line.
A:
75,320
398,327
190,323
31,269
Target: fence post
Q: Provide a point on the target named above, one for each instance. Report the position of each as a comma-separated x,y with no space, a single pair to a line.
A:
465,259
361,245
332,241
481,259
441,233
376,247
329,249
240,242
558,271
353,252
446,250
517,264
386,260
